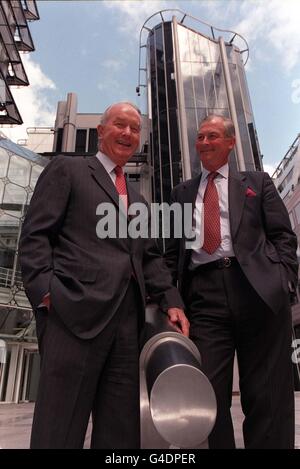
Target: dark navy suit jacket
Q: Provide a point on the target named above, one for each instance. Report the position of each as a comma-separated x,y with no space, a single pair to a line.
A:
262,238
60,252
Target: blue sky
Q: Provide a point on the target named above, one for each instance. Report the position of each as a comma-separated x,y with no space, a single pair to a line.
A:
91,48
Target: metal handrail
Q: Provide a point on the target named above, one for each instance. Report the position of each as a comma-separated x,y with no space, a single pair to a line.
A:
9,277
287,158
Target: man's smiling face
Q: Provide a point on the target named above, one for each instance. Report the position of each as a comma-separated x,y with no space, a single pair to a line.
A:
120,133
213,145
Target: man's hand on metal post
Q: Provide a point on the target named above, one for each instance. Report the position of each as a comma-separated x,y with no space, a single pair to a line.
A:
179,320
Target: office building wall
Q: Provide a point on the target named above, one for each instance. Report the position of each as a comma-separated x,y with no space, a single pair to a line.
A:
286,178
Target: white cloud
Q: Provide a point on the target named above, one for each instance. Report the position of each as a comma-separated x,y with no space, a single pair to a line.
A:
108,83
83,51
31,101
113,64
270,168
271,27
133,13
274,24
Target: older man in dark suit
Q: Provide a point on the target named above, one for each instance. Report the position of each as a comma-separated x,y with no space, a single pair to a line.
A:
88,293
237,288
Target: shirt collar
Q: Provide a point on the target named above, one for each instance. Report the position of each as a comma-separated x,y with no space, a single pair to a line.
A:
223,171
108,164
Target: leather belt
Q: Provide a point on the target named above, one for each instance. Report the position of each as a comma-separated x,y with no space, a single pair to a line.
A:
222,263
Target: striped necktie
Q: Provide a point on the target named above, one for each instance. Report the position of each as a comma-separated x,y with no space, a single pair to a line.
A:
212,226
120,184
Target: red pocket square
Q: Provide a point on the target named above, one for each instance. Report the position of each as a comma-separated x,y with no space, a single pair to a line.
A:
250,192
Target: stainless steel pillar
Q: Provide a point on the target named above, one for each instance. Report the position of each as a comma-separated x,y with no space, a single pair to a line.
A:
178,404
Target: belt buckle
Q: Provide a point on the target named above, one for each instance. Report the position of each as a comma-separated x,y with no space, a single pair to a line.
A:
226,262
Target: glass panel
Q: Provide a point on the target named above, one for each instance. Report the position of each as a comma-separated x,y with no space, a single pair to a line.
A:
19,171
168,44
7,257
14,195
11,217
245,92
198,71
214,51
243,127
1,191
59,139
175,148
203,49
35,174
183,41
15,173
13,321
29,195
201,114
80,144
155,134
158,103
194,46
255,146
209,87
93,141
220,86
186,72
231,54
163,118
192,132
4,160
9,233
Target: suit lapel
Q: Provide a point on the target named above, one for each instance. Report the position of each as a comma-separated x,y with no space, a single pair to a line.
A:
189,194
103,179
133,196
236,199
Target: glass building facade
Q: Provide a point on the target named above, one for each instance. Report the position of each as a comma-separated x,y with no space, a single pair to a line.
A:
15,37
19,171
190,75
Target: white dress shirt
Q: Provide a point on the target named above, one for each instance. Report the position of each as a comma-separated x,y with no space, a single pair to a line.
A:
199,256
108,164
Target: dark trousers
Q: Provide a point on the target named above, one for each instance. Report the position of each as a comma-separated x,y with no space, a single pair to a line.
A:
98,376
228,316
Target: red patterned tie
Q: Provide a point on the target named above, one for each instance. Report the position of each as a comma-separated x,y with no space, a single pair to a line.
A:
120,184
212,228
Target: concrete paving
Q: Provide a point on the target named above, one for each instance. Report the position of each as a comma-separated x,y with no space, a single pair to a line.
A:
16,419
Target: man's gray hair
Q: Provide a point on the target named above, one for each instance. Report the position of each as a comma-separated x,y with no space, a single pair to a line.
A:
105,115
228,124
